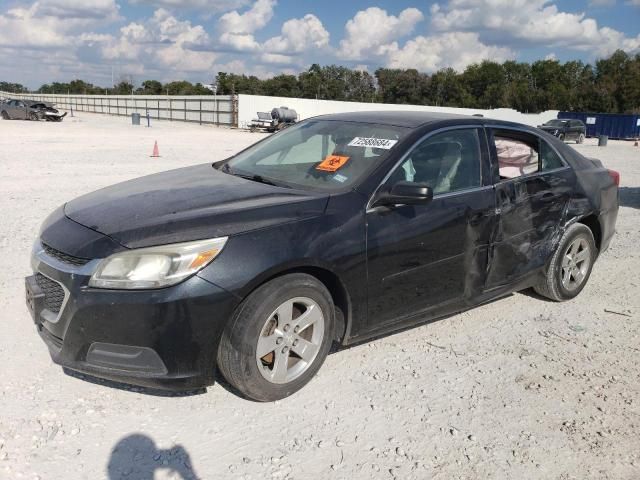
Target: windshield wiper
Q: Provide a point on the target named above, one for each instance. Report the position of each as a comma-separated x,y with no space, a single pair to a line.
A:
257,178
253,177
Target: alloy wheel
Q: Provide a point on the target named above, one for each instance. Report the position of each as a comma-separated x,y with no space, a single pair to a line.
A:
290,340
575,264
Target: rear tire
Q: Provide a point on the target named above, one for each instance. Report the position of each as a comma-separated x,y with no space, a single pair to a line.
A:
571,265
5,116
278,338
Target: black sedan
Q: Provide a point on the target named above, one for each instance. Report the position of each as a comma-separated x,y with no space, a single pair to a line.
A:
566,129
339,229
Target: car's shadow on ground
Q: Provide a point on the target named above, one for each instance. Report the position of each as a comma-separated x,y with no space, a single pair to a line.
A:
630,197
137,457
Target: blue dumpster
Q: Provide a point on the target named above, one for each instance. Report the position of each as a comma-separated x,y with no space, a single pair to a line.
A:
613,125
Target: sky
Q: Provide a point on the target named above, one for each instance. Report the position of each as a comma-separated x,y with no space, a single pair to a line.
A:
96,40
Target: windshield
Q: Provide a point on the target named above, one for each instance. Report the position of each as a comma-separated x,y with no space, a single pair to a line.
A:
556,123
318,154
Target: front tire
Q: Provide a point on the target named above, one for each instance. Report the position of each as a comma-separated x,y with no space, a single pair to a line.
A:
561,137
570,266
278,338
580,138
34,117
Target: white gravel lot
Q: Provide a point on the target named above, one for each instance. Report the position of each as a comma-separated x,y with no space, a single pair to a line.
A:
520,388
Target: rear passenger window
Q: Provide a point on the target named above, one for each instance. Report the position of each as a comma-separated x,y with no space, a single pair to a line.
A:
549,159
516,157
447,162
521,153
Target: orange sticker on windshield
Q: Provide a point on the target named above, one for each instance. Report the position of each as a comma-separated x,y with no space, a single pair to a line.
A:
332,163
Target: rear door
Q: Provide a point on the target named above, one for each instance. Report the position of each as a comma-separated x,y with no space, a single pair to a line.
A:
575,129
533,185
422,258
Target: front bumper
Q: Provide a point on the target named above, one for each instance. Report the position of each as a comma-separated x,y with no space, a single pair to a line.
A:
165,338
554,132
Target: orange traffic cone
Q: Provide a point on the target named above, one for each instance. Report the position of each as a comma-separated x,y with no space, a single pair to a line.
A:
156,150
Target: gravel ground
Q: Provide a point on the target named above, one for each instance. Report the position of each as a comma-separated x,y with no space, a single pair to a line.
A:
519,388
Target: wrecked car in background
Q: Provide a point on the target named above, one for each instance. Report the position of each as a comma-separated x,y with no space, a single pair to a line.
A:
30,110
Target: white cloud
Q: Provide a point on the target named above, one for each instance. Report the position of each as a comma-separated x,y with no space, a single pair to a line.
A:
298,35
89,9
161,42
373,36
250,21
208,6
370,30
277,59
238,28
51,23
239,41
20,27
536,22
452,49
239,67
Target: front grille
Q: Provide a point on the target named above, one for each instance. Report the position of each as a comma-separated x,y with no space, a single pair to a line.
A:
63,257
53,293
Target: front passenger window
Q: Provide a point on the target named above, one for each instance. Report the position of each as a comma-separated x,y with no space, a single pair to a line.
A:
447,162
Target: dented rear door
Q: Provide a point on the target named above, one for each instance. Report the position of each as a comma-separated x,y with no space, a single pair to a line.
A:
530,210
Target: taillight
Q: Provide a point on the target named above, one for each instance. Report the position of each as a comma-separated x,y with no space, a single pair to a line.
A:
615,176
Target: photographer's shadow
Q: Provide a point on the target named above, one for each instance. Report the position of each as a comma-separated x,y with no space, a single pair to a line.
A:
136,457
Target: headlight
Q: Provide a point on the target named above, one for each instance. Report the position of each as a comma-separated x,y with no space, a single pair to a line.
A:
155,267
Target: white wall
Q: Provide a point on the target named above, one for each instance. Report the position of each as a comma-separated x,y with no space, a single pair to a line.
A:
249,105
190,108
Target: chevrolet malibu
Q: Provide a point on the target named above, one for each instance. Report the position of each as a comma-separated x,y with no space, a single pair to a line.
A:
342,228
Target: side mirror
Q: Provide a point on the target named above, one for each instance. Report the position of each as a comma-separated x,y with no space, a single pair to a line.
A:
405,193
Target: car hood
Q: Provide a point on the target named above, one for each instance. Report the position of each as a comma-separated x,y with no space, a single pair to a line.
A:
189,204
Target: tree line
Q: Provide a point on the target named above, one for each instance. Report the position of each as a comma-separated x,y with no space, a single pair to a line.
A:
610,85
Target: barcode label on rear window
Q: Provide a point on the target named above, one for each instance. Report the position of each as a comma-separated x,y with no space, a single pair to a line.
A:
373,142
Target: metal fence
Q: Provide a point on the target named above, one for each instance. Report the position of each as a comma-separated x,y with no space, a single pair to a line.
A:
216,110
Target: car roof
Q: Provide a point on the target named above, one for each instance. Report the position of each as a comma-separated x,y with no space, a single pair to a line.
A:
413,119
399,118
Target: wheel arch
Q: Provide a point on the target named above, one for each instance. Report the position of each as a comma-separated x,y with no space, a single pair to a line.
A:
326,276
593,223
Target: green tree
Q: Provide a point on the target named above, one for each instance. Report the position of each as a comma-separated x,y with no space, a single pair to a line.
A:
13,87
486,83
150,87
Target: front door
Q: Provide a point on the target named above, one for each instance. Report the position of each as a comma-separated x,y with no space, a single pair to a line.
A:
532,192
421,257
20,112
